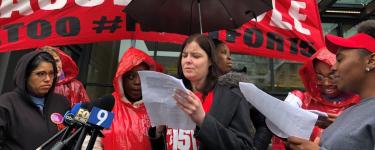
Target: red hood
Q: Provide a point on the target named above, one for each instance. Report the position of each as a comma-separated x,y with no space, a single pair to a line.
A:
69,67
131,58
130,124
308,77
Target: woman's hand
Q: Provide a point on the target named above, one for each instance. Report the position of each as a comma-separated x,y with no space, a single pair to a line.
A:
191,105
302,144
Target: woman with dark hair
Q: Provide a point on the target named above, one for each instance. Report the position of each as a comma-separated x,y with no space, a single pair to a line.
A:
31,113
216,105
67,72
223,56
355,71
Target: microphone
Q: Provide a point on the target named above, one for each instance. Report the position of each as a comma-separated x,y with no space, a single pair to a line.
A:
79,115
98,118
101,118
69,122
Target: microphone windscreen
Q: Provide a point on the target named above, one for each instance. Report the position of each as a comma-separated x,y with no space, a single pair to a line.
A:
75,108
87,105
105,102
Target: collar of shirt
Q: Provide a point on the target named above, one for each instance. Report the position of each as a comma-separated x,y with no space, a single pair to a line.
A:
38,101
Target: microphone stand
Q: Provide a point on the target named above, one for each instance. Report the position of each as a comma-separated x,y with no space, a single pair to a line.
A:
61,145
93,137
81,137
66,133
51,139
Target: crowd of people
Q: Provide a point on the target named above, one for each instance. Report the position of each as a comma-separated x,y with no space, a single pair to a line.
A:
338,80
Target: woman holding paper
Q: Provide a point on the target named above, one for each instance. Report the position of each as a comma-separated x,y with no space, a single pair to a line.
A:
354,129
216,105
321,93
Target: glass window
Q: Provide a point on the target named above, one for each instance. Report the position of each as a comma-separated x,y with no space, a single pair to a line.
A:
102,68
256,67
330,28
272,75
286,74
349,30
363,2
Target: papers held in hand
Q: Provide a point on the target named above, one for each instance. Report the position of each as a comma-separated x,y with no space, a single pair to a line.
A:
157,93
284,120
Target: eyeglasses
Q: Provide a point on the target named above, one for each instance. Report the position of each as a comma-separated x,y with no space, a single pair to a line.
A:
320,78
42,75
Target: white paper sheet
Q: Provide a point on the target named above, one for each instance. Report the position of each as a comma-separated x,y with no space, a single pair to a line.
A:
287,119
295,101
157,93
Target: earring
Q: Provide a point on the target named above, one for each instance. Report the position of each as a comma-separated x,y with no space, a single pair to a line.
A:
367,69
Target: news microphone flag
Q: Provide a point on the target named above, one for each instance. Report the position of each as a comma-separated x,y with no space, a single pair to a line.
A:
100,117
75,108
82,115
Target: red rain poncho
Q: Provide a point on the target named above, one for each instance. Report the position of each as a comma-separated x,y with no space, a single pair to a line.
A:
312,99
70,87
130,124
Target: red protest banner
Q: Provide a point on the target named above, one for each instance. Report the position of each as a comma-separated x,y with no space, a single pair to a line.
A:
291,31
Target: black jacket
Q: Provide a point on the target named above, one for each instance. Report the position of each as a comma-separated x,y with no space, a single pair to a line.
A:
22,125
232,123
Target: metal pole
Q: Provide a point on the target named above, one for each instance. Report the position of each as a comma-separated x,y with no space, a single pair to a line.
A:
272,73
133,43
200,16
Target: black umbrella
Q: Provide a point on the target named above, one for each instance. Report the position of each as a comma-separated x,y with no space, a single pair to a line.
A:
194,16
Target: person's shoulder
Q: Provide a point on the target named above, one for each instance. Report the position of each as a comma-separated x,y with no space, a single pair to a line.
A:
9,99
8,96
369,103
230,91
74,83
59,99
232,79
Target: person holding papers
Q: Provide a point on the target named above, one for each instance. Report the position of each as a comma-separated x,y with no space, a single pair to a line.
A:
354,129
217,106
130,124
321,92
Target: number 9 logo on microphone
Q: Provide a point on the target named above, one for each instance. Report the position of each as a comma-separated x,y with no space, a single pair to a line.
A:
100,117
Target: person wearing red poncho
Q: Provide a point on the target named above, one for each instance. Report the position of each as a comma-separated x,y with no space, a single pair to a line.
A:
130,124
321,92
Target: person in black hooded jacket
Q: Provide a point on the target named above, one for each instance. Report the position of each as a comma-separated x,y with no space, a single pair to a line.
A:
31,113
